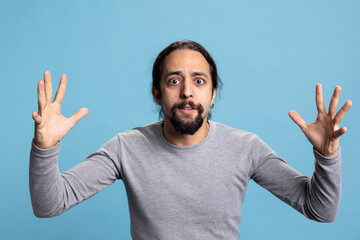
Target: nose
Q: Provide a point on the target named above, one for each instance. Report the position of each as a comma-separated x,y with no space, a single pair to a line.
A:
186,89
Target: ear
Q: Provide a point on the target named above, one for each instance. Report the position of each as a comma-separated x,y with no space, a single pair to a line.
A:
157,96
213,95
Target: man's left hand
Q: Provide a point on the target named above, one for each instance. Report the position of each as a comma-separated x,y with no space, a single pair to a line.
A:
324,133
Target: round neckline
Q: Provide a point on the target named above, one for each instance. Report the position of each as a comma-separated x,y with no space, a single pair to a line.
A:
176,148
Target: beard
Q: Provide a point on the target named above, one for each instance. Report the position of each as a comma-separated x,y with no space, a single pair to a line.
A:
183,126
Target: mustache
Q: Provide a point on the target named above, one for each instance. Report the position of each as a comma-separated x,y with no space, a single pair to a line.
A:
190,103
184,103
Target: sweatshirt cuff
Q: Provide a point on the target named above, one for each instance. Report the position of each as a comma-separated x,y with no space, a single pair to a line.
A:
50,151
327,160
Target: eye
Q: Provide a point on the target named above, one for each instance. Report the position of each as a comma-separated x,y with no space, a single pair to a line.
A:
199,81
174,81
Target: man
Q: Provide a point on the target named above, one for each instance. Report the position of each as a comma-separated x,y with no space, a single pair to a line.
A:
185,176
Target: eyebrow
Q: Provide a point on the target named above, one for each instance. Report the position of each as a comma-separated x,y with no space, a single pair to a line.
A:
179,73
172,73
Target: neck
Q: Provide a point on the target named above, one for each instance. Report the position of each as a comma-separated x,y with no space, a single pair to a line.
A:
179,139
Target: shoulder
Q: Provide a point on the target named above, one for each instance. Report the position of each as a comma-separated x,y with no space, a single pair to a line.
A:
146,133
242,142
226,132
237,138
133,139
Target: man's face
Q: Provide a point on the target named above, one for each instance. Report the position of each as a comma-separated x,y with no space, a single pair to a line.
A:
186,90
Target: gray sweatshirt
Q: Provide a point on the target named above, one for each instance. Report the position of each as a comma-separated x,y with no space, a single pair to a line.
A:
188,192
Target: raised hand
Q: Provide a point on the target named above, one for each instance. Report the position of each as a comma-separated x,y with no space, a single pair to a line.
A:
324,133
50,125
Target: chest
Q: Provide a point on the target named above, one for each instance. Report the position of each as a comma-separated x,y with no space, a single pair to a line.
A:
199,184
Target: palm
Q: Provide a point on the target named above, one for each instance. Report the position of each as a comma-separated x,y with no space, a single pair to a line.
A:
50,125
321,134
53,127
324,133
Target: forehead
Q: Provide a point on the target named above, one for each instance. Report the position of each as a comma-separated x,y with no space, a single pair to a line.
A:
185,60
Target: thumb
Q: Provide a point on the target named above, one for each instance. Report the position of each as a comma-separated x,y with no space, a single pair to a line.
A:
297,119
79,115
36,117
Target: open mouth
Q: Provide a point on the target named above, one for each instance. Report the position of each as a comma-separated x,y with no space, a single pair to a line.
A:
187,109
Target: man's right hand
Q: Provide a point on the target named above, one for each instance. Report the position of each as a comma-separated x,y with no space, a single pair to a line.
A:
50,125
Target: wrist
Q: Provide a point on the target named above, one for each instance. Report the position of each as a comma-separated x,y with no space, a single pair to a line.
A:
43,146
330,154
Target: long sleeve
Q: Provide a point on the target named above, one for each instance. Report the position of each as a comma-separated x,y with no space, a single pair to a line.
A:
317,197
184,192
53,192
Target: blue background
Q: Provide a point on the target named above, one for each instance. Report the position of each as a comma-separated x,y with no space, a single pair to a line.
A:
270,55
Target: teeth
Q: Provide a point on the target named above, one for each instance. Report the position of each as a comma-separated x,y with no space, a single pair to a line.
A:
188,108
